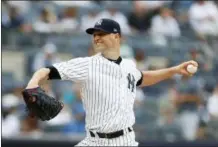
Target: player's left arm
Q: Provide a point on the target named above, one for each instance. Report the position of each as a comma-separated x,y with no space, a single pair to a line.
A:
155,76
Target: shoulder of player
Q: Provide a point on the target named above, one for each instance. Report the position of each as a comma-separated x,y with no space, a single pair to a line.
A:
129,62
96,57
81,59
130,65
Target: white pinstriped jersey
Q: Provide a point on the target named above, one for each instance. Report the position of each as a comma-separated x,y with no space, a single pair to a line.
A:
108,90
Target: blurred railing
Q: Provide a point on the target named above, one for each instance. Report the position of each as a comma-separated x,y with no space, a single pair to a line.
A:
78,42
13,37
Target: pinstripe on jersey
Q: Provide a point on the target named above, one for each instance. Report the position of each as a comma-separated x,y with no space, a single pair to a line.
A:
108,91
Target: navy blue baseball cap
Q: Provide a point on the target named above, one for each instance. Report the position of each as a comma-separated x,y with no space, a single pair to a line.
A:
105,25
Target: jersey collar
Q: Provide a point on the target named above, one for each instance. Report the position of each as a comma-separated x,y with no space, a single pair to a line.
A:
118,61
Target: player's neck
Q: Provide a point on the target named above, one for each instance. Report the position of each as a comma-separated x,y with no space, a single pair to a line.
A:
113,55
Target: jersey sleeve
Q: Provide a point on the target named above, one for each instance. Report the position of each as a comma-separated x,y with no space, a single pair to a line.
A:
74,69
140,77
137,73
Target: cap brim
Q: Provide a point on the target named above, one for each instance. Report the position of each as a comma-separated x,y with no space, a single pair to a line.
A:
92,30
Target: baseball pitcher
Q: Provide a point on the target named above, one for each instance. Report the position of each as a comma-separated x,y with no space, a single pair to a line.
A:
108,88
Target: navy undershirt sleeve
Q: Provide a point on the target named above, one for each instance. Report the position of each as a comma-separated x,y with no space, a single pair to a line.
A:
140,80
54,74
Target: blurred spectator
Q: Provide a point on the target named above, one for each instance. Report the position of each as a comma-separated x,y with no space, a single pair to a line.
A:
216,2
178,6
115,3
17,91
139,19
140,98
68,23
13,109
11,121
31,127
180,9
196,55
99,2
163,26
86,4
204,21
212,108
141,60
203,121
22,6
167,107
215,69
91,17
78,124
187,102
12,19
5,16
153,5
112,13
46,57
46,23
167,121
8,79
126,51
204,18
212,105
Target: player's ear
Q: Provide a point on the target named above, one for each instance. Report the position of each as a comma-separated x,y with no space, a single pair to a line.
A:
118,36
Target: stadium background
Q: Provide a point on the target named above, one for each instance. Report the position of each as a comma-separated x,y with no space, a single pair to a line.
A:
176,111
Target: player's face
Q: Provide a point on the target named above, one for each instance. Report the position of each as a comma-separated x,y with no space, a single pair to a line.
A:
104,41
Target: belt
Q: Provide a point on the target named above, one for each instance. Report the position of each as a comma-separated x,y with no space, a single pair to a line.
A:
110,135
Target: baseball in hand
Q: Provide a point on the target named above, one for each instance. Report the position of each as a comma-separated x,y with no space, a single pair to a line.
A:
191,68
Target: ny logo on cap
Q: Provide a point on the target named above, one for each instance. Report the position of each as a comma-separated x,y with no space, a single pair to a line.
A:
99,22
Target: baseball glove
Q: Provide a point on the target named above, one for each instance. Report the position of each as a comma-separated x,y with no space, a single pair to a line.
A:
41,105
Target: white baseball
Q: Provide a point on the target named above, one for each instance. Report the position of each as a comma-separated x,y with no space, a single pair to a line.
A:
191,68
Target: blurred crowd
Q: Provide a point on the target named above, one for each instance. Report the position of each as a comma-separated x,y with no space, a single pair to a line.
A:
144,16
179,108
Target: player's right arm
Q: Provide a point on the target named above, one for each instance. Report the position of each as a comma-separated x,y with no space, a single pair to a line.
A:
156,76
73,70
